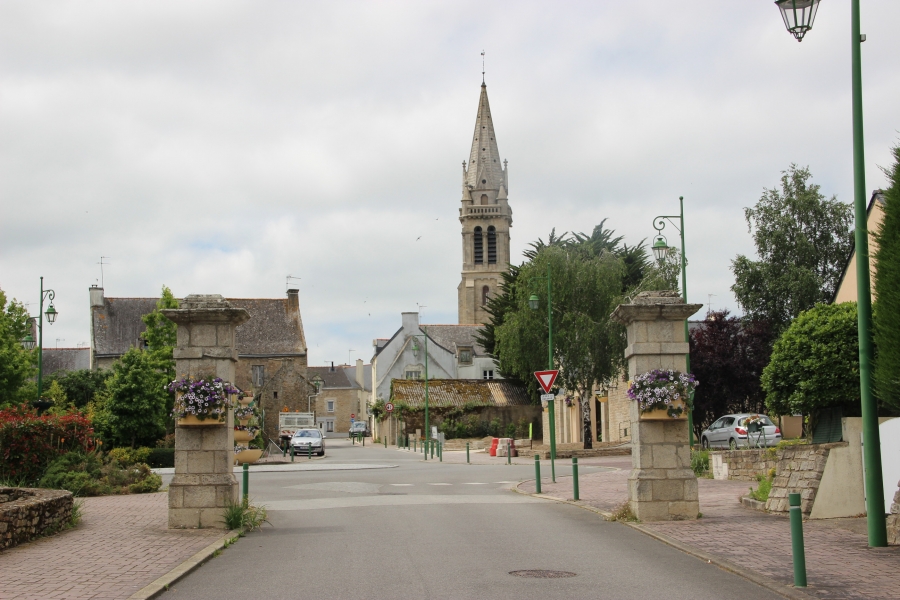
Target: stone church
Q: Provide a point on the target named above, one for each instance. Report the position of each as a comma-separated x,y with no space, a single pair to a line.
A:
486,217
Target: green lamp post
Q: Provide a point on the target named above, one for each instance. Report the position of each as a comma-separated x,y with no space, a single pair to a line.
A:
416,351
660,251
28,341
798,17
533,303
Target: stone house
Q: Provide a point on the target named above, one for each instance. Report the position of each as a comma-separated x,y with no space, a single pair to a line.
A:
342,397
271,347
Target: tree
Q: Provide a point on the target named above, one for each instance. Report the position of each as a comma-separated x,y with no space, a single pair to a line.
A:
815,363
161,336
802,240
587,346
728,356
887,293
133,409
82,386
17,365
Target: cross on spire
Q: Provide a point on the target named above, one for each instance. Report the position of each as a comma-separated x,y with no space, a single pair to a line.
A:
482,67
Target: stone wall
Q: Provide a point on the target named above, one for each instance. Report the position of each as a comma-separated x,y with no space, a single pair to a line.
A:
893,521
27,513
742,465
799,469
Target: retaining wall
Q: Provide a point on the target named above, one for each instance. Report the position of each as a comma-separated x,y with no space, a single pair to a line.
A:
742,465
27,513
799,469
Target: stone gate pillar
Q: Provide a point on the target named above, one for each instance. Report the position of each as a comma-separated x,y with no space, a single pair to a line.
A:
662,486
204,481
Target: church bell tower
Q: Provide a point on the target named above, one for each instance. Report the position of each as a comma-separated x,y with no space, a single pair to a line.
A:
485,217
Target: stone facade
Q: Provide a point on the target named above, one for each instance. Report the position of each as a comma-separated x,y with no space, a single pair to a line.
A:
893,520
286,386
799,469
742,465
486,219
662,486
204,484
27,513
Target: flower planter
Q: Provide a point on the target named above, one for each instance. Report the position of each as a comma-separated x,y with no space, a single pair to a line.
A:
192,421
243,436
244,421
245,401
662,414
247,456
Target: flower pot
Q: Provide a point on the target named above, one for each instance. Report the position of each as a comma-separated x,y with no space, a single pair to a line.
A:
243,436
244,421
662,414
245,401
247,456
192,421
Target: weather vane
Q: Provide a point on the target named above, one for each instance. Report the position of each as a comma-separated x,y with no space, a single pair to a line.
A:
482,67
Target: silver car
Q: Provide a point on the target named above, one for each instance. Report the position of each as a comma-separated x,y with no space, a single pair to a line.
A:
744,430
306,440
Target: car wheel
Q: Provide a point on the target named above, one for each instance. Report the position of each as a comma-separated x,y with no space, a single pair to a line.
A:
321,453
704,443
732,443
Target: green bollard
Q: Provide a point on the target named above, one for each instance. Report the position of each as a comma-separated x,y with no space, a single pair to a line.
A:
797,541
364,440
537,473
353,439
309,451
425,448
440,452
246,485
575,477
385,442
467,453
415,446
431,448
284,450
292,453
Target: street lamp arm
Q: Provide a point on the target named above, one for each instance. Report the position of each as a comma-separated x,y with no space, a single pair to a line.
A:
659,223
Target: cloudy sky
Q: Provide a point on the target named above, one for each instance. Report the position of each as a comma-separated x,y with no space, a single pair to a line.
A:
218,147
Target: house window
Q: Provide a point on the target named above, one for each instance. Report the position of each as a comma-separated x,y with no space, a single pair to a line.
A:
488,374
485,295
478,246
329,426
492,245
330,405
414,374
258,375
275,395
465,356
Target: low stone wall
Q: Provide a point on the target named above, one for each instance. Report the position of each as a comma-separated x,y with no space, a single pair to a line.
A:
742,465
27,513
799,469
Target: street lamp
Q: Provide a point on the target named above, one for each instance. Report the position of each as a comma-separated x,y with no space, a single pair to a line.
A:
660,251
28,341
533,302
798,15
416,352
317,382
872,457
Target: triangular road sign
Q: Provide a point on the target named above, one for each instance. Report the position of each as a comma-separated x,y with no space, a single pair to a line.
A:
546,379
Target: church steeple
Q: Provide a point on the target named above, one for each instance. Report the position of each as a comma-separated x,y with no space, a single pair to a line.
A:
485,169
486,218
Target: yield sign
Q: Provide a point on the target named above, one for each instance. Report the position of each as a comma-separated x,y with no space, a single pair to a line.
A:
546,379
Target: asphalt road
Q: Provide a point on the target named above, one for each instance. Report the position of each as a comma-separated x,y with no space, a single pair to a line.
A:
434,530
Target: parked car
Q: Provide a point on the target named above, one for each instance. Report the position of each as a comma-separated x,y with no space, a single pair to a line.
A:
306,439
744,430
359,428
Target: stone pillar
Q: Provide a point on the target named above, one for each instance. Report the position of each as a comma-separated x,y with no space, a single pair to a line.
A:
662,486
204,482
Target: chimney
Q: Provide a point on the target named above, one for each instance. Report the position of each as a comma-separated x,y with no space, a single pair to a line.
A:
96,294
410,322
294,301
332,366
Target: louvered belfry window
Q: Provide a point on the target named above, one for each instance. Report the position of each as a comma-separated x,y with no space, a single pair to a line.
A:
479,247
492,245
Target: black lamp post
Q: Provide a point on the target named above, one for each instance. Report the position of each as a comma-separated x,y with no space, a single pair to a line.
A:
798,18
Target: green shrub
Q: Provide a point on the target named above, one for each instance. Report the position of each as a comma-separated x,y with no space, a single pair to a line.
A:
700,462
761,493
129,456
161,458
86,475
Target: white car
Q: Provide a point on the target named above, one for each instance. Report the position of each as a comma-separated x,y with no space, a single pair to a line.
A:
306,440
744,430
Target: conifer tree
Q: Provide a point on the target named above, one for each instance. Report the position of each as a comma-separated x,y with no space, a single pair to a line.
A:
887,293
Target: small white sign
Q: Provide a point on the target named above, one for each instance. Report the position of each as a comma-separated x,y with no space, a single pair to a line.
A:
434,432
547,397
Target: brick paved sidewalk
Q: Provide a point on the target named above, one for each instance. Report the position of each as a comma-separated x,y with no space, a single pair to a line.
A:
840,565
121,545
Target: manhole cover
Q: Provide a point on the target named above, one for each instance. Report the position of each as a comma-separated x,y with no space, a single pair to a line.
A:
542,574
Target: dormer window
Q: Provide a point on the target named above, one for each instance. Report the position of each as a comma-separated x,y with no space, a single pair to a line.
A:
465,356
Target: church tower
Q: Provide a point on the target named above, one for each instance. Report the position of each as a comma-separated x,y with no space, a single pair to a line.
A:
485,217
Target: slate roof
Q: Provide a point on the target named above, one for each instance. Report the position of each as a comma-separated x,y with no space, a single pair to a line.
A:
340,378
450,337
459,392
271,330
65,359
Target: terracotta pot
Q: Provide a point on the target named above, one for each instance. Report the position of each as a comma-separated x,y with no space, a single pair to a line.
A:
243,436
247,456
661,414
192,421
